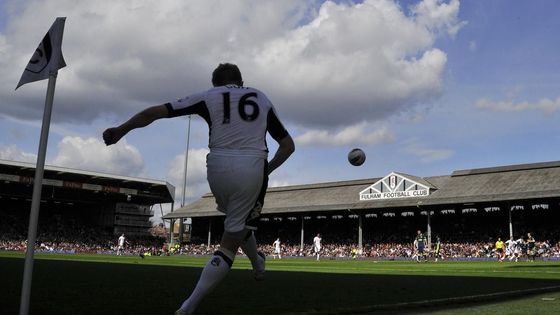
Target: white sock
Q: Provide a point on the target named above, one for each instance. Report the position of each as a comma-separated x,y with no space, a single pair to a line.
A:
250,249
213,273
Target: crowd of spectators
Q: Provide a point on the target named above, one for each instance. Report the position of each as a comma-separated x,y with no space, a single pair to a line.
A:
69,234
385,251
62,234
396,251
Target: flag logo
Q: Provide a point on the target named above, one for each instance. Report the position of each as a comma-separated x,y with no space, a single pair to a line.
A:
41,57
47,58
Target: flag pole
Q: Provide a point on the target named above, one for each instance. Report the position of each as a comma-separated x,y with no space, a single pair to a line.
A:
36,199
181,225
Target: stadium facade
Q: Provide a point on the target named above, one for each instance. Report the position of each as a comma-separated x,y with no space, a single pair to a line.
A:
503,193
119,203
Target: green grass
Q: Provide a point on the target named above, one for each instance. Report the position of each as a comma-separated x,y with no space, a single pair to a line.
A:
100,284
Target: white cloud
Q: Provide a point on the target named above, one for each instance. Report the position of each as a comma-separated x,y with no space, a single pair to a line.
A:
352,63
121,55
358,134
159,211
13,153
196,175
279,183
367,60
93,154
439,15
544,105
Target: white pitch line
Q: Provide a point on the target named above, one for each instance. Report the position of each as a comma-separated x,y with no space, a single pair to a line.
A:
375,309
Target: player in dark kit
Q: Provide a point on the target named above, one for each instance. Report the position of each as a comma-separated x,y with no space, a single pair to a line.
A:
531,248
438,254
419,245
237,166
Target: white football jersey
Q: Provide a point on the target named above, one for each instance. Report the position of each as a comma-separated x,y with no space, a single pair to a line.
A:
317,242
238,117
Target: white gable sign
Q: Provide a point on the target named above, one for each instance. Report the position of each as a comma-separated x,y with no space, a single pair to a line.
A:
394,186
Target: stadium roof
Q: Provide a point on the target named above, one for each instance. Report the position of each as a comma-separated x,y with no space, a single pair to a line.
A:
509,184
16,181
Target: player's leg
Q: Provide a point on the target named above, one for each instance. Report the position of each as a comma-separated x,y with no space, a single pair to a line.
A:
215,270
257,258
236,191
254,196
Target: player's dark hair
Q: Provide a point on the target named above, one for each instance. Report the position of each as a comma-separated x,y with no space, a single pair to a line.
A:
226,73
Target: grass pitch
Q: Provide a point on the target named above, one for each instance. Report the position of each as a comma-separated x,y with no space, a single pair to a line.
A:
100,284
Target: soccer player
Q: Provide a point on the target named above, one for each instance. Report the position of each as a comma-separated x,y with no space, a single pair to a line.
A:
531,248
499,249
522,248
438,253
317,246
519,244
120,244
511,244
419,245
277,249
237,168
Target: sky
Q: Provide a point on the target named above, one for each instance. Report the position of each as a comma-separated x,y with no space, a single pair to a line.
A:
422,87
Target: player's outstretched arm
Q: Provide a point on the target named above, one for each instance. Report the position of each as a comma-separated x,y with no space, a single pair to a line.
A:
286,147
141,119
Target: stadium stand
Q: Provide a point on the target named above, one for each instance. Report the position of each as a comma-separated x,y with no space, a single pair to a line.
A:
76,218
469,208
80,210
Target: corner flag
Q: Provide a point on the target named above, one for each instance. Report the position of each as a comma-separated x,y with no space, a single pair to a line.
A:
47,58
44,63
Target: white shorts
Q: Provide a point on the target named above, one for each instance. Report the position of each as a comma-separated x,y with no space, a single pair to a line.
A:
239,184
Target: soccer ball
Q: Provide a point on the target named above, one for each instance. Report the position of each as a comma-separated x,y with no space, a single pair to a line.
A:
356,157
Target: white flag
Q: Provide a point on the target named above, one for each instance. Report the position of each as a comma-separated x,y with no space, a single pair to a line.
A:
47,58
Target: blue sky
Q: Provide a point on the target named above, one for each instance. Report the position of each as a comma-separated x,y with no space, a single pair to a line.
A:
423,87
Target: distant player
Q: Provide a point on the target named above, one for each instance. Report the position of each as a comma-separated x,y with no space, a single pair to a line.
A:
531,248
317,246
511,244
120,244
438,253
277,249
519,244
522,245
420,245
499,246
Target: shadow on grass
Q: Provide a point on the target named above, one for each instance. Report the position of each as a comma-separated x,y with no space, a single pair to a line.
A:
70,287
